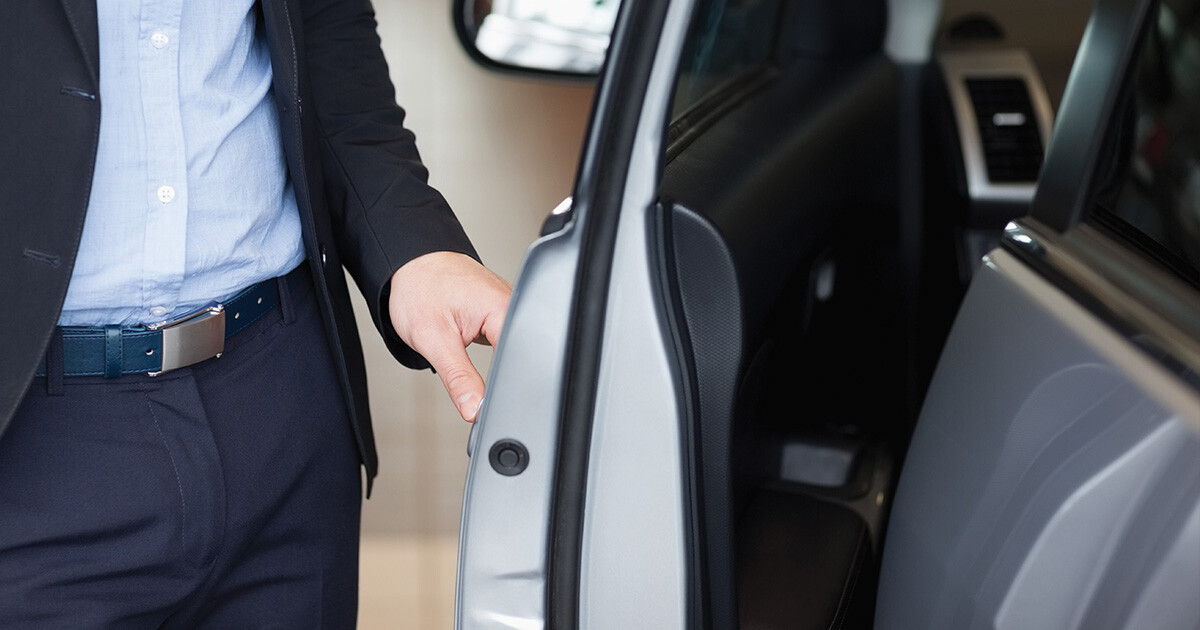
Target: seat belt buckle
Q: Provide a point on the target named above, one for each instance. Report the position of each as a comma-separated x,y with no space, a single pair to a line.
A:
192,338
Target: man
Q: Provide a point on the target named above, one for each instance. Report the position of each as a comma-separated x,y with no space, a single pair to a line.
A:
182,394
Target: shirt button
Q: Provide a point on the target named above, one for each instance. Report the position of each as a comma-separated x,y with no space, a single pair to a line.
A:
166,194
158,311
159,40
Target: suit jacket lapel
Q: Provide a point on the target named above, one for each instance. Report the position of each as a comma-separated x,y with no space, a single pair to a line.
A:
82,16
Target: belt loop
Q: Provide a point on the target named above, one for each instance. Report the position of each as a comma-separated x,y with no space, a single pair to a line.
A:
285,300
55,370
113,353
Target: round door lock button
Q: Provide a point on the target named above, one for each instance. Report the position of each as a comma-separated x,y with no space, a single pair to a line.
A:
509,457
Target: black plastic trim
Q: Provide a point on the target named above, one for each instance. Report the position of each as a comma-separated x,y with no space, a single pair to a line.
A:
508,457
707,316
667,288
598,197
1102,67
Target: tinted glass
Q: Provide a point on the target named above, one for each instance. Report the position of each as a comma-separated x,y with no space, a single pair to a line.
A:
727,38
1151,192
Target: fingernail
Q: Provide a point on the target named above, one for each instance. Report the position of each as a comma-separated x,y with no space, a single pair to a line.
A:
468,406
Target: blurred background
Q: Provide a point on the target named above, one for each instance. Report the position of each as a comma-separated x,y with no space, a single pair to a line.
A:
503,151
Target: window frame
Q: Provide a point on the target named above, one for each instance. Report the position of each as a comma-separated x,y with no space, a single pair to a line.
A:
1113,172
701,114
1107,272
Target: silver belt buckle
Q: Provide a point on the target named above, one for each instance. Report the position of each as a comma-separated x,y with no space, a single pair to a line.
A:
191,338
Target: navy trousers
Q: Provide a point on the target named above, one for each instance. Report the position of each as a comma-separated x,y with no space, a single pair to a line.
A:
223,495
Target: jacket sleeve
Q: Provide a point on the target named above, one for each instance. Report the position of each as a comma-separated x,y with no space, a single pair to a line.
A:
383,211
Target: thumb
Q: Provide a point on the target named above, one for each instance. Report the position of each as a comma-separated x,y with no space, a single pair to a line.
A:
462,381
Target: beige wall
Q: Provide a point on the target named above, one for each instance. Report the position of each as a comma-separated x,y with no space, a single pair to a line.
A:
504,152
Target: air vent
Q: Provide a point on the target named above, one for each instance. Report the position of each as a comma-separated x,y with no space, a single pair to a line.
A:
1003,119
1008,129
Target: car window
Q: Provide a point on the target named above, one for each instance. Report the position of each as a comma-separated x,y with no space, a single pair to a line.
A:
1149,193
726,39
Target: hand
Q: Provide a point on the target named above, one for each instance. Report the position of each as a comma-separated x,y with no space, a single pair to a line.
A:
441,303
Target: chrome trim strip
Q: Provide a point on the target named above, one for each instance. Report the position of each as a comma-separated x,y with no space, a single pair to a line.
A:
1155,310
957,67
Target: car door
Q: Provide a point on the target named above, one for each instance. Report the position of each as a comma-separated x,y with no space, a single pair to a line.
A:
530,486
1053,479
652,453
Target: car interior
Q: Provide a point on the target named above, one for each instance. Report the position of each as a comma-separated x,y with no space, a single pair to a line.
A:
822,201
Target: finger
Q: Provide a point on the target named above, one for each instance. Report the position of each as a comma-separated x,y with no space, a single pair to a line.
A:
489,333
463,383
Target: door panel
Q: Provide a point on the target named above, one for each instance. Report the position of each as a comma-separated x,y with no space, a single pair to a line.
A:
1054,476
778,235
1046,447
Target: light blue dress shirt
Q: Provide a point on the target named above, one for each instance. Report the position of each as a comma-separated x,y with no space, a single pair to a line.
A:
190,198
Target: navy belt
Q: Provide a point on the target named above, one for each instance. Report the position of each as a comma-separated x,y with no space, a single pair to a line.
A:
112,351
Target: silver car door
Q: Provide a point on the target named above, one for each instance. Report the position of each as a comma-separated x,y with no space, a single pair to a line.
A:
570,520
1053,480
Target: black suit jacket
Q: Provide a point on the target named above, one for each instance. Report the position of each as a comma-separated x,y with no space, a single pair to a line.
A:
360,185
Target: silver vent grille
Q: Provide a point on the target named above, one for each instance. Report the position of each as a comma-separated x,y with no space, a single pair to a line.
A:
1003,117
